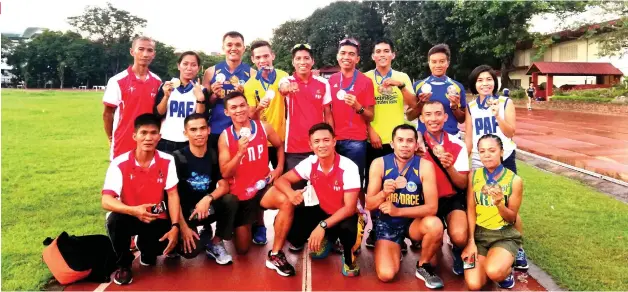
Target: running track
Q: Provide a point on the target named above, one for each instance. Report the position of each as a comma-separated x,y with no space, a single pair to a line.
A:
595,142
248,272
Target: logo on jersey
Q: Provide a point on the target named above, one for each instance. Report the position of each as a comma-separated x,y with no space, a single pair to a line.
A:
161,177
336,186
318,95
411,187
131,89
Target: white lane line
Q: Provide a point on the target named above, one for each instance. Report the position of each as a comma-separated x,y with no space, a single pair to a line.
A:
309,270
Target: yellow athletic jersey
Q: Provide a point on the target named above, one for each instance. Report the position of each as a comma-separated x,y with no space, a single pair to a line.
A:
275,114
389,110
487,214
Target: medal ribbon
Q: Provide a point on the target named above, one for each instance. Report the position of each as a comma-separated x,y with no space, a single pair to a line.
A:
490,177
405,169
272,76
439,141
355,75
482,105
388,75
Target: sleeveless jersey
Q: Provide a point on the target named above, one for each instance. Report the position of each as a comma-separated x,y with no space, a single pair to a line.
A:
487,214
217,120
181,104
410,196
388,106
484,123
440,86
254,164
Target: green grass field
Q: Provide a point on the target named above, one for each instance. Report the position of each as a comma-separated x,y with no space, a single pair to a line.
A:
54,157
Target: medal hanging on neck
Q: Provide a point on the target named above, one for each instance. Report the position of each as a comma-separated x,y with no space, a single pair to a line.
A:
490,176
244,131
343,92
436,144
401,181
266,83
380,88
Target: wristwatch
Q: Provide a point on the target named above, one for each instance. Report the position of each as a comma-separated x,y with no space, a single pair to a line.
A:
360,111
402,86
200,101
176,225
323,224
211,197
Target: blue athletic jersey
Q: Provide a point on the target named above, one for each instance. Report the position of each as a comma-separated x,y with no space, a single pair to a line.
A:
410,196
439,91
218,121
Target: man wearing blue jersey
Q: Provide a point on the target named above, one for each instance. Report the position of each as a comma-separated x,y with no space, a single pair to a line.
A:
438,86
224,78
402,191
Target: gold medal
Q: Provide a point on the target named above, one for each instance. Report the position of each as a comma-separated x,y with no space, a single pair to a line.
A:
400,182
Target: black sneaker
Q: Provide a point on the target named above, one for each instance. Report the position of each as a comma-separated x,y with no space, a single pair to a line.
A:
370,240
147,261
280,264
123,276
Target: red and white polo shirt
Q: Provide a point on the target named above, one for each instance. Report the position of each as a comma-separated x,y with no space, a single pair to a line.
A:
349,125
330,188
131,97
458,149
135,185
304,110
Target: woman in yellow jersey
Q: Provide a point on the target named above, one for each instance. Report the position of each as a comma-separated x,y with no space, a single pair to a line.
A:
493,199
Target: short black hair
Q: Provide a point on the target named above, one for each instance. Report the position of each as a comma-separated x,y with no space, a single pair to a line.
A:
433,101
321,127
233,34
232,95
473,78
384,41
301,47
259,44
440,48
192,117
494,137
147,120
405,127
189,53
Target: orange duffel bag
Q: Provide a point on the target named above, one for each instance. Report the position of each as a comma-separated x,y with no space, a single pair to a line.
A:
74,258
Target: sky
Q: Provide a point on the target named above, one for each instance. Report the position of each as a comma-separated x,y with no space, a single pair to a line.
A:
202,22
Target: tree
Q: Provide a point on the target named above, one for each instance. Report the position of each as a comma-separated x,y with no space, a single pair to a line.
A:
165,62
615,39
284,38
112,27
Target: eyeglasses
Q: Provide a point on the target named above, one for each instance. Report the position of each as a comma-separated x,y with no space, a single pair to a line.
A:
300,46
349,41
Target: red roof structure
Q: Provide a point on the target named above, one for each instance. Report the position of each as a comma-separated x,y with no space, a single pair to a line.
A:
573,69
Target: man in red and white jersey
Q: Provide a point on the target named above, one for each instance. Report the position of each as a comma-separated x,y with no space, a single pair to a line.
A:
451,166
134,193
243,158
308,102
129,94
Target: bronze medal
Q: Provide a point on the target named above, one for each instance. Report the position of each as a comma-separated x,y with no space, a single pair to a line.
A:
400,182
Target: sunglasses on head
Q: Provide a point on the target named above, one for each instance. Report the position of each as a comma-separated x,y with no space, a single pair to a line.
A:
301,46
349,41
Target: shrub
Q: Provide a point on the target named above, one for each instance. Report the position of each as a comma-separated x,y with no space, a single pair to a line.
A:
518,94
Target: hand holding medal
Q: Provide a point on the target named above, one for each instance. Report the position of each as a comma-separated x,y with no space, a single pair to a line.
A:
245,132
453,95
175,82
389,186
493,104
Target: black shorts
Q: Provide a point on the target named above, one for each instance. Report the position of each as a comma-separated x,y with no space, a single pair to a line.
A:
448,204
249,210
292,160
272,156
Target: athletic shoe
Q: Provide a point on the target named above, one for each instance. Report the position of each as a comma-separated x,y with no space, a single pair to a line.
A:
521,262
370,240
404,247
427,274
349,271
293,248
458,268
338,248
218,252
323,252
173,255
147,261
529,108
280,264
507,283
416,245
133,243
259,235
123,276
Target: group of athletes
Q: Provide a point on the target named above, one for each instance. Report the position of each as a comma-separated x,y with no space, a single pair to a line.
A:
186,153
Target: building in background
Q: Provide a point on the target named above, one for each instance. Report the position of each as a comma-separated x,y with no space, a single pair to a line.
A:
15,38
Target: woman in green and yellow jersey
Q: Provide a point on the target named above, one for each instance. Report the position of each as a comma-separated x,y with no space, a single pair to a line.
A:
493,199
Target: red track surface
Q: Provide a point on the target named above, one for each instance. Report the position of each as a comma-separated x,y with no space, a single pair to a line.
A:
248,272
595,142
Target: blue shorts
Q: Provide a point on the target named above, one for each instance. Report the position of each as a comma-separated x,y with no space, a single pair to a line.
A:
356,151
394,233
